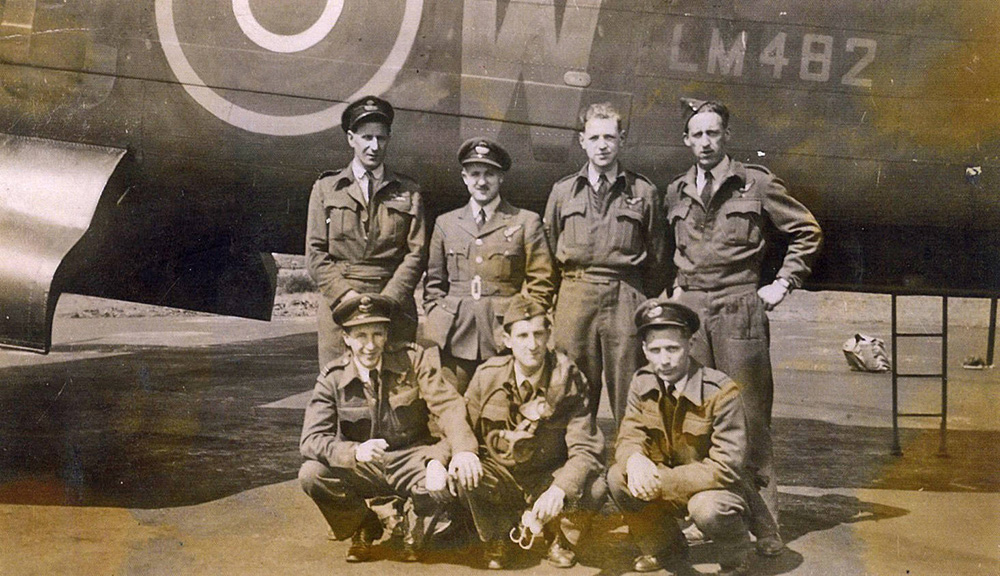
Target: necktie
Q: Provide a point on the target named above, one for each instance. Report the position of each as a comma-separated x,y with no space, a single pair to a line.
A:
376,389
602,186
369,195
706,190
481,218
524,390
369,187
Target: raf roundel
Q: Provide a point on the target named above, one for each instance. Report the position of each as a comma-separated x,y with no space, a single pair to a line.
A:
203,91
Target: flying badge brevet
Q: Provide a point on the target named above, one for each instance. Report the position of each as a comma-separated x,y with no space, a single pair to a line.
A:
633,200
509,232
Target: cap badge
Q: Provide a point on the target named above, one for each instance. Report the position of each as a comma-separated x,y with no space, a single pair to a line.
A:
370,106
366,305
482,149
654,312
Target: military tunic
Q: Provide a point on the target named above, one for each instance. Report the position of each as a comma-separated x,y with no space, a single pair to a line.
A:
699,443
610,259
719,252
378,249
473,272
567,449
409,402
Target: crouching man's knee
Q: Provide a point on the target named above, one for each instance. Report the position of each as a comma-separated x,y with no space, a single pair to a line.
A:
315,479
719,514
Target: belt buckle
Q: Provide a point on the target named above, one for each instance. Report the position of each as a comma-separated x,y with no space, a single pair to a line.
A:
476,288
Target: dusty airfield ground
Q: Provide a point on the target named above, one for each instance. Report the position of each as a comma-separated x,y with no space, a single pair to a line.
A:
153,441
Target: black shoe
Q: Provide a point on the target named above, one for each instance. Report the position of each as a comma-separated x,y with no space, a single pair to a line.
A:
646,563
496,554
410,552
366,535
667,565
739,568
560,554
770,546
361,546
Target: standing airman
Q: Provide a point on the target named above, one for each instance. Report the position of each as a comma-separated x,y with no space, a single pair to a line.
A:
718,211
365,232
603,225
480,256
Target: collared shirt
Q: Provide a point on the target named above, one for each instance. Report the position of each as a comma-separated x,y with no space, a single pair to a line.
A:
533,380
677,388
364,374
361,175
489,208
718,174
594,175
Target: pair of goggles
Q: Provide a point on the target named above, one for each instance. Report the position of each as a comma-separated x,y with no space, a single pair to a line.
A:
526,531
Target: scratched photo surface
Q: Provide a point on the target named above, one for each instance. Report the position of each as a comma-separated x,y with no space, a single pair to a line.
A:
159,328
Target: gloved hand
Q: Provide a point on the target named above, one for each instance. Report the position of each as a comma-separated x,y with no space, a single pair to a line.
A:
370,450
643,478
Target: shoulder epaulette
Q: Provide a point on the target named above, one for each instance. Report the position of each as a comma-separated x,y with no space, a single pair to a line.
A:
328,173
758,167
640,176
568,177
496,361
678,177
407,181
333,365
714,377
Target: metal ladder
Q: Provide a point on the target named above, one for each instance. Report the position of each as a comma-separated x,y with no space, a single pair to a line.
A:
943,375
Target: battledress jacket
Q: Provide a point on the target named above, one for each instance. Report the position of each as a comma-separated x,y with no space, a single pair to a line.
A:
340,415
567,445
339,249
703,440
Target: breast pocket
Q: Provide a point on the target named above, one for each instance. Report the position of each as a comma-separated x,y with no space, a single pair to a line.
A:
457,257
697,434
394,220
741,222
355,422
506,263
575,228
409,411
342,218
628,227
677,217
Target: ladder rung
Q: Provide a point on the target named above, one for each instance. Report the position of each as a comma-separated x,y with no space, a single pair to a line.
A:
919,375
919,415
920,335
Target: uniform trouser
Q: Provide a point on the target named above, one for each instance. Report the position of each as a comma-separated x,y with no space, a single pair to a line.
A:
497,504
594,326
653,525
735,338
330,336
340,493
458,371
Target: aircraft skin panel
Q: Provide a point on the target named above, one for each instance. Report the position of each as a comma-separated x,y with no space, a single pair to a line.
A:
881,116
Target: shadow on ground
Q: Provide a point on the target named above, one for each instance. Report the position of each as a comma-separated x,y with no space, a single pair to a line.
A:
154,428
164,427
